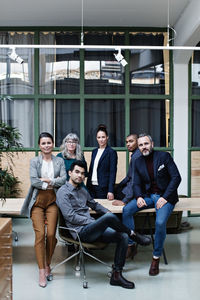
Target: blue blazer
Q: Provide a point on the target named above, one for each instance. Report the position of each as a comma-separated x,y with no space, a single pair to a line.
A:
106,170
166,175
128,181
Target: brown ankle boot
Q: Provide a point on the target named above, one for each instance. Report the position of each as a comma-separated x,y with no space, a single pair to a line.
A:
154,268
119,280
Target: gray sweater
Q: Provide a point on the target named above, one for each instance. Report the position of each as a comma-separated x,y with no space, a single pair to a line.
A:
74,203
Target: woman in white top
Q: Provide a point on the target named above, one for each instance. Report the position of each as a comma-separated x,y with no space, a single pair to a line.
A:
103,168
47,174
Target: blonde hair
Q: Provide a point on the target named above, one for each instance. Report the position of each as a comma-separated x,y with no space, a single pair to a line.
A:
63,148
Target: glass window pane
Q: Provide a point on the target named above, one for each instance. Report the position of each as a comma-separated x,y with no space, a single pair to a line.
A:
59,68
16,78
152,117
103,74
149,69
19,113
196,72
195,123
109,112
60,117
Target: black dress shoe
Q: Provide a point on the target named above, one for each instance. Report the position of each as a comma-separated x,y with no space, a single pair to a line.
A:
140,239
118,280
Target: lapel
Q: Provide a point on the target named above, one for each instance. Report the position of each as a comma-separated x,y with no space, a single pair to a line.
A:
93,157
39,165
55,165
155,163
103,155
144,169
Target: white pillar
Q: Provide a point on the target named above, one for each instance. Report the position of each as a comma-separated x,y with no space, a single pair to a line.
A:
181,124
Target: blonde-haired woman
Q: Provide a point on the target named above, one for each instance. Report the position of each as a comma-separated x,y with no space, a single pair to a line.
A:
71,151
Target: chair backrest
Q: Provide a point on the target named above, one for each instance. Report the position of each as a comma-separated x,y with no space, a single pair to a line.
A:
63,233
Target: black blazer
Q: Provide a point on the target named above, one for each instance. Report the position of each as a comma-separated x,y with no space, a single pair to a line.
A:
128,181
106,170
166,175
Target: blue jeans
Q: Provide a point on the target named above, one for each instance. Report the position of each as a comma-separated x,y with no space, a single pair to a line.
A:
109,229
162,216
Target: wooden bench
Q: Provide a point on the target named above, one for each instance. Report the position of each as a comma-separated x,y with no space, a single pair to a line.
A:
184,204
12,206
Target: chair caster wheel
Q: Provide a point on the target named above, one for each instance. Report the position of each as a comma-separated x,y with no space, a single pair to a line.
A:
50,277
109,274
78,268
85,284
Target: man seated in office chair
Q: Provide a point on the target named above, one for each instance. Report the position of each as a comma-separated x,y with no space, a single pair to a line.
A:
156,181
74,202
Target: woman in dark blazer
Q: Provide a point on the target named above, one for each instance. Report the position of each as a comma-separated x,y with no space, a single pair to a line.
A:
103,168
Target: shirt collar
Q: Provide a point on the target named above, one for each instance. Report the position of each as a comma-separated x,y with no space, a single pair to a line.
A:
71,187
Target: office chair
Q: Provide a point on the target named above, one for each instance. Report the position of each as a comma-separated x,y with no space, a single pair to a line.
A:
81,247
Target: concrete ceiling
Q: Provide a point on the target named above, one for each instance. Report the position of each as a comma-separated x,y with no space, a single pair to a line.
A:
142,13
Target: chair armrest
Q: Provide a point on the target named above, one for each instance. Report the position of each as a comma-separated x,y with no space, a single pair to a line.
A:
71,229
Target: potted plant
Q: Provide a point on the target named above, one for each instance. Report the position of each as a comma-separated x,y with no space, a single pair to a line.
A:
9,143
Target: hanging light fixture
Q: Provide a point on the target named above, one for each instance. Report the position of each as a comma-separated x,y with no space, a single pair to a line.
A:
14,56
120,58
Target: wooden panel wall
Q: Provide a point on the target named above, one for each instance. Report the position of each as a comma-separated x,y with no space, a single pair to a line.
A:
22,162
195,174
21,170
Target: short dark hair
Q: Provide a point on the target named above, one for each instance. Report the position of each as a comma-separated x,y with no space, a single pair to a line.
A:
134,135
45,134
79,163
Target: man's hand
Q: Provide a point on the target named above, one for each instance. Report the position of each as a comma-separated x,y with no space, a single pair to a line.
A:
161,202
141,202
110,196
118,203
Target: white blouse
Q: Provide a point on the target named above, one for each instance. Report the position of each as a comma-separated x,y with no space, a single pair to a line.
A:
47,171
96,162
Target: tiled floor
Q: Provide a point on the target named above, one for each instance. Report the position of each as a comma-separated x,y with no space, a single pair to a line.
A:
179,280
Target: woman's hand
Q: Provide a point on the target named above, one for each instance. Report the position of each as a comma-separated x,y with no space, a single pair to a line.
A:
110,196
47,180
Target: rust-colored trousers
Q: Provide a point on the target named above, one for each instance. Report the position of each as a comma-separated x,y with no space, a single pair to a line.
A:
44,217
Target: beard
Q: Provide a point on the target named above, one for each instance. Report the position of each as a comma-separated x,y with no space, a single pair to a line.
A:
147,152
